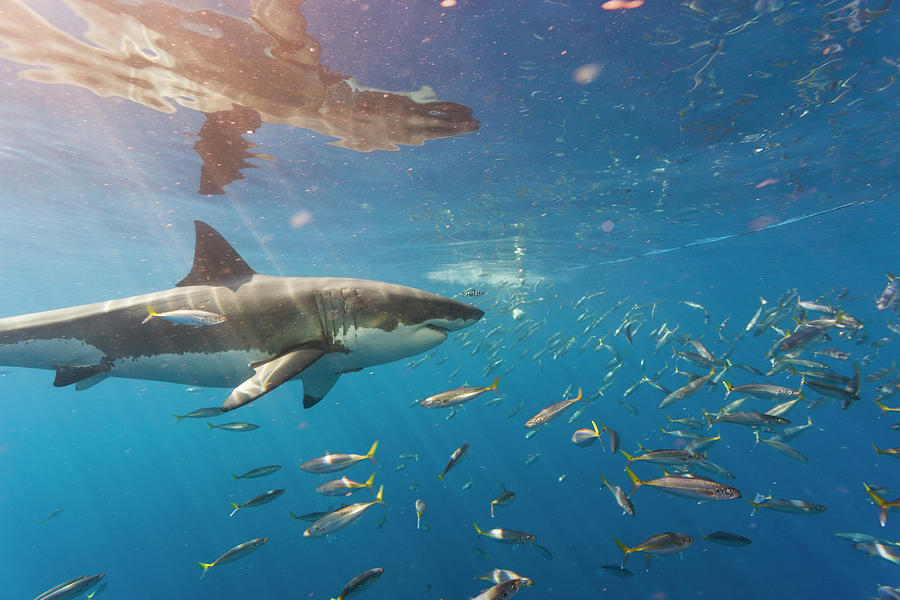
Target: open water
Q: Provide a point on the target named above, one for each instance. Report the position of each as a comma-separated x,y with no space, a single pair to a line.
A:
711,152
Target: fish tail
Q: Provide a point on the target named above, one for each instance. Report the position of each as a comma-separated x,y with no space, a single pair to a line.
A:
878,450
603,479
478,529
578,397
634,479
178,418
371,453
628,457
293,516
370,481
754,504
709,419
205,566
493,386
378,497
881,502
597,433
236,476
884,409
150,314
211,426
728,387
625,550
236,507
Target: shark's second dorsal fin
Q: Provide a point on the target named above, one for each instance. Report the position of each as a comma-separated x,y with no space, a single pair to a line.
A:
215,261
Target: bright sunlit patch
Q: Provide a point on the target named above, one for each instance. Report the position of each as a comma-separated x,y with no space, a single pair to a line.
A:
617,4
448,3
587,73
298,220
766,182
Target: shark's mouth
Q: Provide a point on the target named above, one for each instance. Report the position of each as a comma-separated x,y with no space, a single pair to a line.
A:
437,328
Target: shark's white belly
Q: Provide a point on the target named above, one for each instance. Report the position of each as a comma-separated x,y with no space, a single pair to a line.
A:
219,369
368,347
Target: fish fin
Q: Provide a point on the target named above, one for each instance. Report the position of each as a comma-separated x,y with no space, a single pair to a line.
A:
370,481
603,479
754,504
578,397
211,426
178,418
379,495
66,375
205,566
316,386
271,374
728,387
629,457
216,263
597,432
371,453
293,516
478,529
876,448
236,508
493,386
90,382
709,420
150,314
634,479
625,551
236,477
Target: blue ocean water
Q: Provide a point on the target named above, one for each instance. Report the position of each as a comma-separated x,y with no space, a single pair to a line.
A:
713,152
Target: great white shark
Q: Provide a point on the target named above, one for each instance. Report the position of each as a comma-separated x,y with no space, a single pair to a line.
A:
276,329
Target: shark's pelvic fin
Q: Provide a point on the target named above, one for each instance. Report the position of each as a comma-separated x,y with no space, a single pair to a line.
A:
215,261
316,386
269,375
69,375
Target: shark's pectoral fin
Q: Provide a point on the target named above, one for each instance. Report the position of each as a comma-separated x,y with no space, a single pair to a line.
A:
90,381
316,386
68,375
269,375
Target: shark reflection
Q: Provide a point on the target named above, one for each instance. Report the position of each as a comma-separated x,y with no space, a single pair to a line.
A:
239,73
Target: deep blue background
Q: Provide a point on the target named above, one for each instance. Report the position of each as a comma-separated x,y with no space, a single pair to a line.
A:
98,200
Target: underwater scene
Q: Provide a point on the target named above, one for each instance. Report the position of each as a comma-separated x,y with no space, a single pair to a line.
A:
449,299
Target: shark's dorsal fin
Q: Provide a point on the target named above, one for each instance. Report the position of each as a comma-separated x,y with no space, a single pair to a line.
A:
215,261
